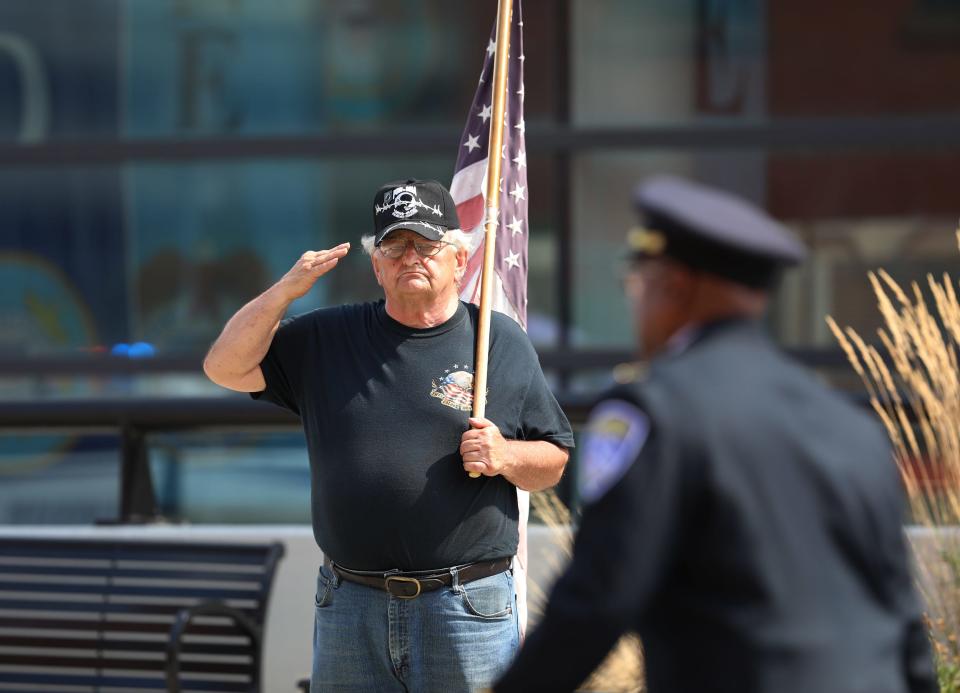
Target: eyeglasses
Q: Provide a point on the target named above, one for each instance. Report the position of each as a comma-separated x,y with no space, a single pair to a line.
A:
396,249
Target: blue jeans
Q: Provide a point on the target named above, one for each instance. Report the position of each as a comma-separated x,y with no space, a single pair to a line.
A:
456,638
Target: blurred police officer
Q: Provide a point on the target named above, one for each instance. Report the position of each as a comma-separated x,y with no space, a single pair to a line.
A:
739,516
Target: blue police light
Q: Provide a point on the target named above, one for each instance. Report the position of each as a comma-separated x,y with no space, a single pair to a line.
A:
141,350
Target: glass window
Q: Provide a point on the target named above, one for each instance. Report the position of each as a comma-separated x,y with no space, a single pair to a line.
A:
248,476
856,212
206,238
543,253
666,60
603,212
62,243
219,67
164,254
669,61
58,70
58,478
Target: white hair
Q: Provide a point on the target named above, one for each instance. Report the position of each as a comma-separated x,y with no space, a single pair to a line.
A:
455,237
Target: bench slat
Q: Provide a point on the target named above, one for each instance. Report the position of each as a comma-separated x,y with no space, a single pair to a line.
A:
240,554
190,647
93,661
62,624
98,607
130,590
121,682
159,573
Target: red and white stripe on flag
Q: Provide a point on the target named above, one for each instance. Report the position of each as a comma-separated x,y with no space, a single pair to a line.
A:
470,183
469,192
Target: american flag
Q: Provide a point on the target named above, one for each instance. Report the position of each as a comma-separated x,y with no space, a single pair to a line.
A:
470,183
468,189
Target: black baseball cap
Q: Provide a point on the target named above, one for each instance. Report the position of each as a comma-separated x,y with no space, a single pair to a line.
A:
712,231
421,206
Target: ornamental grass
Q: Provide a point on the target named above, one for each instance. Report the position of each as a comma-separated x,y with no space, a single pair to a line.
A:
622,670
913,381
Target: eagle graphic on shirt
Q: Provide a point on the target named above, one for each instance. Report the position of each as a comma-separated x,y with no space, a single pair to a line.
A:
454,389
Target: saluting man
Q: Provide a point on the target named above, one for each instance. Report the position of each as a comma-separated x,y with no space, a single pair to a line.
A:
741,518
417,593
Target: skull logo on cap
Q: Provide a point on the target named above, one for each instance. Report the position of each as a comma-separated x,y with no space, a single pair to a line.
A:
404,202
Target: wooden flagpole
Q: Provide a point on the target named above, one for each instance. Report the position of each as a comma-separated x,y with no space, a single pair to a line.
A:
500,72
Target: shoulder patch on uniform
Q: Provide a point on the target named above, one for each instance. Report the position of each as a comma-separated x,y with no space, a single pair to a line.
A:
614,437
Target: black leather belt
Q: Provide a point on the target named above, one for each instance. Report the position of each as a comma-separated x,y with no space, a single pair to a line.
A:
410,585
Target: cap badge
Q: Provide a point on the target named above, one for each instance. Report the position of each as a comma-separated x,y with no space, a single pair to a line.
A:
403,203
646,241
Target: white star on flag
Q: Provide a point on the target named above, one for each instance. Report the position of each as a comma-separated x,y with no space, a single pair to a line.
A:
515,226
485,113
472,143
518,192
520,160
491,47
513,260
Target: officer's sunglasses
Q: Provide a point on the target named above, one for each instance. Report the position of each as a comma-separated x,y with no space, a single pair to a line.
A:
396,249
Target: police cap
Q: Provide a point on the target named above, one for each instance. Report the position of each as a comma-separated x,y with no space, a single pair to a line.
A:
712,231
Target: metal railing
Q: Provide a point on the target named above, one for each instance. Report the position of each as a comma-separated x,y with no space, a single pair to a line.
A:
795,134
135,417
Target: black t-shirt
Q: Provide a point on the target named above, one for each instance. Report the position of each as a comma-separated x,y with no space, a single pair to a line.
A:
384,407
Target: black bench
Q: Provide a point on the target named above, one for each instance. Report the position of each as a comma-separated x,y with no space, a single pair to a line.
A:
110,615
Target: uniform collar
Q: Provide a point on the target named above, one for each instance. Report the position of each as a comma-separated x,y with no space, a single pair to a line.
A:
692,334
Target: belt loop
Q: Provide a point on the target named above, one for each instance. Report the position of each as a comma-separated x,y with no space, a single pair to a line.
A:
332,569
455,578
